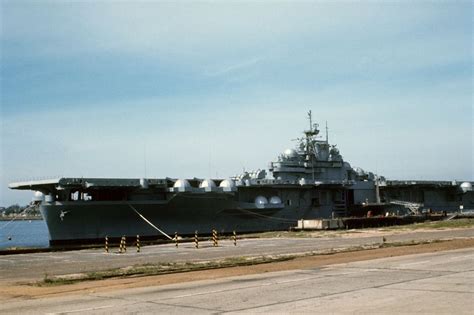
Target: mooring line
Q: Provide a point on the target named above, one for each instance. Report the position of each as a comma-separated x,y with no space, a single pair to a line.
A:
266,216
147,221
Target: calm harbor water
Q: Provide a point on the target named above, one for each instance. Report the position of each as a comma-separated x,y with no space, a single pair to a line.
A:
27,233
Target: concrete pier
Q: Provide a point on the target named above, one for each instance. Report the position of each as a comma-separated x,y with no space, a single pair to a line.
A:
434,283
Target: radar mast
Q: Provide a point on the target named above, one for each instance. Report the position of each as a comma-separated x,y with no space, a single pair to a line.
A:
311,134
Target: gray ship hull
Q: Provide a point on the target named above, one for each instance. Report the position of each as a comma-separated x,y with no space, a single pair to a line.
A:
91,221
84,222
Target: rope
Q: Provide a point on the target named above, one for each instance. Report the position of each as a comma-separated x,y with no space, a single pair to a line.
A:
267,217
151,224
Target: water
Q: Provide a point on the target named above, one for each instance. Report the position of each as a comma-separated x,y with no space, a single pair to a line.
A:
32,233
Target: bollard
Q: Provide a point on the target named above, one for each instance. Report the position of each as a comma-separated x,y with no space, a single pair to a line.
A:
176,239
106,244
124,244
138,243
215,238
121,245
234,236
196,239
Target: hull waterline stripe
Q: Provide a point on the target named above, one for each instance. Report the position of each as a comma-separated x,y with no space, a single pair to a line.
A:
147,221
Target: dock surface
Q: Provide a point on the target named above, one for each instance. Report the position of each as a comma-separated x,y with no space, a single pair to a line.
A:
434,283
34,266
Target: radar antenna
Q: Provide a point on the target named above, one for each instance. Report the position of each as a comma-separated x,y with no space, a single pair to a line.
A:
313,128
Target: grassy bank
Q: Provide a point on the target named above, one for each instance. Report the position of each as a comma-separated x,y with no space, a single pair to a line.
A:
158,269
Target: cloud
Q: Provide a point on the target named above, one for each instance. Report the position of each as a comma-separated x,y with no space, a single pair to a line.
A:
198,31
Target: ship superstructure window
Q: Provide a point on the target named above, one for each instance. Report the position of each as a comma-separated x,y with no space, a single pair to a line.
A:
79,195
76,195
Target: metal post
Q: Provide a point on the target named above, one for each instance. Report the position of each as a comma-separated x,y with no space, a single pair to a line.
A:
196,239
106,244
138,243
235,238
214,237
176,239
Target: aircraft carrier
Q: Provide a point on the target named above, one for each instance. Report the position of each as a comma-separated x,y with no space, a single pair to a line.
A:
311,181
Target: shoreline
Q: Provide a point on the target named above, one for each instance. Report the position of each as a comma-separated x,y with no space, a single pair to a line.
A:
38,218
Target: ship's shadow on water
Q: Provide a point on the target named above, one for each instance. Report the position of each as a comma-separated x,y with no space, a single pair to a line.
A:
23,234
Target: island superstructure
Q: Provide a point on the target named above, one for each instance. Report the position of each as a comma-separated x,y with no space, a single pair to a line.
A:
311,181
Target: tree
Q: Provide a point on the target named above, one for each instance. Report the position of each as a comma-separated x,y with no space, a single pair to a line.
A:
13,209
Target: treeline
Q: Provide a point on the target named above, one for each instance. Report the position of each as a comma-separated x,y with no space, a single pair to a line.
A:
17,209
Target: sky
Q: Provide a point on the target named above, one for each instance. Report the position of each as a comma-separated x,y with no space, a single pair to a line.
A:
198,89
